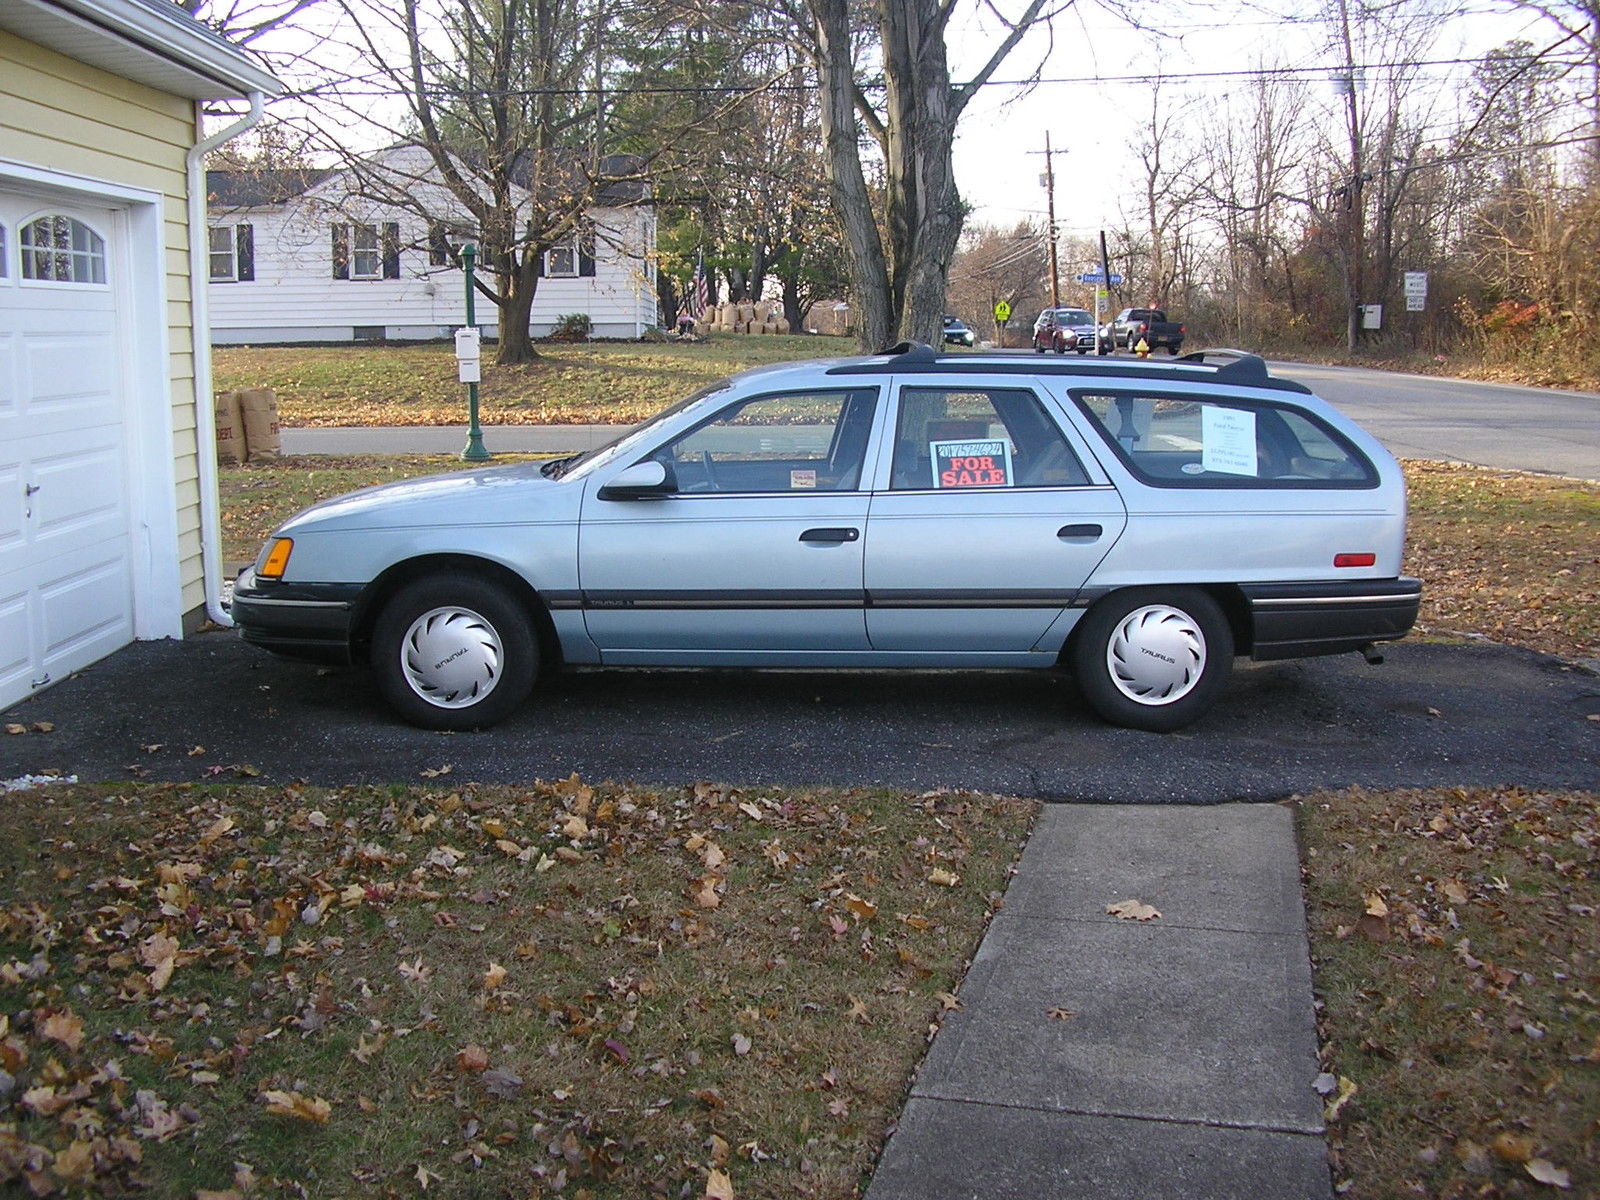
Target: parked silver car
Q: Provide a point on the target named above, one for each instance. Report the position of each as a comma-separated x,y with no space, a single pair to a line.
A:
1138,523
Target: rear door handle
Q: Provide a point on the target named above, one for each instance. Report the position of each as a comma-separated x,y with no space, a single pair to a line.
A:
1079,531
830,535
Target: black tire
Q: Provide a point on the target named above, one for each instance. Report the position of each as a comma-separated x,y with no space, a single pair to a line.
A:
454,653
1037,348
1180,632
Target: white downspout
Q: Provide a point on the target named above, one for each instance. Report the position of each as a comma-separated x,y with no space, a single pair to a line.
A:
205,415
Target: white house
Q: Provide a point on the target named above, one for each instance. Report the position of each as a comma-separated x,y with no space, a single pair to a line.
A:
108,524
308,255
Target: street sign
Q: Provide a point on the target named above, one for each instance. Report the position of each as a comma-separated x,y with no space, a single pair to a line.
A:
1097,277
1416,291
1002,311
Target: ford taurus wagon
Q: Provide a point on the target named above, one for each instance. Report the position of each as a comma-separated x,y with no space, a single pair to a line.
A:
1138,524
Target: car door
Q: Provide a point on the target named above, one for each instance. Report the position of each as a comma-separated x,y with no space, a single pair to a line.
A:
754,553
985,523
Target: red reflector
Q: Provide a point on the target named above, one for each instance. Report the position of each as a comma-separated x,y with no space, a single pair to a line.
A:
1354,560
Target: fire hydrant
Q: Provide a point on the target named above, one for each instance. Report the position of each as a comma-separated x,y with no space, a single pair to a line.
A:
1142,349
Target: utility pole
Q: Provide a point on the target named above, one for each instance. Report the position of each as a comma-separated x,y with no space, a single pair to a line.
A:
1050,208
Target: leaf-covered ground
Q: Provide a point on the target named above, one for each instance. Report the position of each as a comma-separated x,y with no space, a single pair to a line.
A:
1506,555
600,383
1457,954
222,992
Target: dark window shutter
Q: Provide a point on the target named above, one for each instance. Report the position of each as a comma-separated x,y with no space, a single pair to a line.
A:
586,253
538,264
391,250
341,252
244,249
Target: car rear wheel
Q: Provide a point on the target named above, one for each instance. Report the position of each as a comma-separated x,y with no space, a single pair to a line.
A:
1152,658
454,652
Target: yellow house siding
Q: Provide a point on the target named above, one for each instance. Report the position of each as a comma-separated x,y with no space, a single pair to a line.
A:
62,115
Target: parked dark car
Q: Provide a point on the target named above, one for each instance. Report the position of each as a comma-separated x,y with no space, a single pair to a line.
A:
956,333
1147,325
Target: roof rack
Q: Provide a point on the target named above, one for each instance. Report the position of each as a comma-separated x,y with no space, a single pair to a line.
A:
911,352
1245,367
918,358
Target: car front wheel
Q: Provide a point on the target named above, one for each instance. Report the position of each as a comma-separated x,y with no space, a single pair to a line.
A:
1152,658
454,653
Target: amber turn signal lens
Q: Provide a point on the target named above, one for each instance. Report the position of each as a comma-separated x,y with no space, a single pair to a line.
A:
277,559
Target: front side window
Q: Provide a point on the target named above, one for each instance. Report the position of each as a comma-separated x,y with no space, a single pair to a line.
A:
1182,441
948,438
62,249
790,442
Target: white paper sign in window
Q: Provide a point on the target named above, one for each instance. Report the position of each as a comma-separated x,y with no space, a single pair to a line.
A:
1228,441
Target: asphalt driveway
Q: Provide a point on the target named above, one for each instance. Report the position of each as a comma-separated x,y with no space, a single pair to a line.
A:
211,706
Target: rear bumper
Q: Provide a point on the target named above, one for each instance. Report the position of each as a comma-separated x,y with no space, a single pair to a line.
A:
1298,620
308,621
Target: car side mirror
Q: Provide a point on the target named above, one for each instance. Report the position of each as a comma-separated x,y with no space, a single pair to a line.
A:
648,480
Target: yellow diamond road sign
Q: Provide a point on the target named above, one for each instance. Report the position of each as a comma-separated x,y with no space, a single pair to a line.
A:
1002,311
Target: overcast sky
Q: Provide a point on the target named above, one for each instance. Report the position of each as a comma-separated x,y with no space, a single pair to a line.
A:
999,152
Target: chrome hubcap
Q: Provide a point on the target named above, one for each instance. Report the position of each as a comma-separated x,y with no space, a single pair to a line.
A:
451,657
1156,654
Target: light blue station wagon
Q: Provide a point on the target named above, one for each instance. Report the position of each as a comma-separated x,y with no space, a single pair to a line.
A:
1137,523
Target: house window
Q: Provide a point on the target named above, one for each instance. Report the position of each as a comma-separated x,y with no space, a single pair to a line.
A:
561,260
366,260
233,255
62,249
440,252
4,256
366,251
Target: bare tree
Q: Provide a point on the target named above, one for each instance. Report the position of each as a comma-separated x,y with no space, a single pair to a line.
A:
902,236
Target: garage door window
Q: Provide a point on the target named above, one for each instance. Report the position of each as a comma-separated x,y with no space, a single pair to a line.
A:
62,249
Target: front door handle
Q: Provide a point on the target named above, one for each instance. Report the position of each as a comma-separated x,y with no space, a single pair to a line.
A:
830,535
1079,531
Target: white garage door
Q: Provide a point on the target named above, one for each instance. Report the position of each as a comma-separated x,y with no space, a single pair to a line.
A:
66,595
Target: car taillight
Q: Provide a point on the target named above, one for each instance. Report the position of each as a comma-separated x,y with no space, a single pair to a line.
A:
1354,560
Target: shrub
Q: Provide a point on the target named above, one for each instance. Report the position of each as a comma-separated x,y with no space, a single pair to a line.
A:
572,327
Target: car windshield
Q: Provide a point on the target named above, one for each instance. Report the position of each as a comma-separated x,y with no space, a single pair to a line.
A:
953,323
582,463
1073,316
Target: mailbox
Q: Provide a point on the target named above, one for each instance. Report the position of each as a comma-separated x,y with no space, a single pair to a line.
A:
469,355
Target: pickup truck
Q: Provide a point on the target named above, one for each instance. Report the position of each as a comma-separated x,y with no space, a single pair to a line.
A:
1149,325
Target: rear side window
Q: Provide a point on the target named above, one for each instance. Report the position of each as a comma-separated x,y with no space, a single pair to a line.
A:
979,438
1213,443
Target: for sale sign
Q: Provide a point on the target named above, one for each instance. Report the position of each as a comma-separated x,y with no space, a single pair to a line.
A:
961,464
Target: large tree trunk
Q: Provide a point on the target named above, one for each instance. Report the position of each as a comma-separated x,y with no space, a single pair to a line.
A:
869,272
517,288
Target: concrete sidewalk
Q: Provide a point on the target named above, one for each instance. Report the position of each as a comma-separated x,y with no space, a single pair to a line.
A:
1187,1063
448,439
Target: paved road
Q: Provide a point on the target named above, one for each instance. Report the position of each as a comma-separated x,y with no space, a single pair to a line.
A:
1490,424
1431,715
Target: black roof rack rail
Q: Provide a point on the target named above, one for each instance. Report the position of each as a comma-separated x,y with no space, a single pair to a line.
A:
1245,367
918,358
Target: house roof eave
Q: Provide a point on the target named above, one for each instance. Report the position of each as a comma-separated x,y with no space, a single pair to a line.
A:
150,42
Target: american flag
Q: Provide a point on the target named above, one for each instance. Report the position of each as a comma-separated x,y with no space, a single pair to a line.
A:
699,291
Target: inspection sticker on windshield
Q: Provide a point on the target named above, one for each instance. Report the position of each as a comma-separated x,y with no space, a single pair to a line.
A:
958,464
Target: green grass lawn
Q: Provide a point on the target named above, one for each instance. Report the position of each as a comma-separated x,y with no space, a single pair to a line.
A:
598,383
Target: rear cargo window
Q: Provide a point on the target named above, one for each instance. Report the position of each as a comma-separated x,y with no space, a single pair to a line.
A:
1197,442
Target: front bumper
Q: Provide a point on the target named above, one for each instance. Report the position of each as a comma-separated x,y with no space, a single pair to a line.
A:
297,620
1299,620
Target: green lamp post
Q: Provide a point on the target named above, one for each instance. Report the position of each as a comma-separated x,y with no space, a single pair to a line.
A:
468,359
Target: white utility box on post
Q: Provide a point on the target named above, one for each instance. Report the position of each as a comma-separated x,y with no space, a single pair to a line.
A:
469,355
